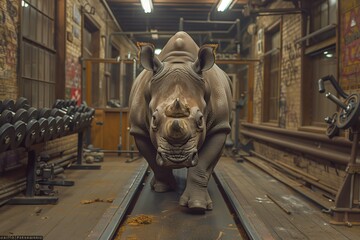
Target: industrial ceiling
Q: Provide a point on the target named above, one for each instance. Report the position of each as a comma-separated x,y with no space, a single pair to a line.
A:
200,18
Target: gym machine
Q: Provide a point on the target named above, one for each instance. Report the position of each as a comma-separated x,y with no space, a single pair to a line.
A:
347,202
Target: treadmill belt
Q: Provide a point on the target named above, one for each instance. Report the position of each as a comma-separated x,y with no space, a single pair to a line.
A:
172,221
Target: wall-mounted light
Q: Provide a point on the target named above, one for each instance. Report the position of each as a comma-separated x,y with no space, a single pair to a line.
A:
24,4
223,5
147,5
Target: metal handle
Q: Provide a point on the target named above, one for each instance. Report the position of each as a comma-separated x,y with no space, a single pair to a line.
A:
334,83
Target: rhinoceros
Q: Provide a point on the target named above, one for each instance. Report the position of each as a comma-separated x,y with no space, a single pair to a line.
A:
179,115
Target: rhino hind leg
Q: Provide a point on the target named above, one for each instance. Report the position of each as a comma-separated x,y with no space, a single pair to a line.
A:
163,179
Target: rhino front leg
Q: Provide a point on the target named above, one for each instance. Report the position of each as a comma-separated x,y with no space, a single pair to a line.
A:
196,195
164,179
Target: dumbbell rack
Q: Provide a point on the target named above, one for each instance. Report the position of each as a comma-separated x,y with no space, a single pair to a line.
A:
347,201
35,167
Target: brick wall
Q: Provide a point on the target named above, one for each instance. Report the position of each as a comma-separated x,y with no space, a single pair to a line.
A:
291,75
9,17
290,65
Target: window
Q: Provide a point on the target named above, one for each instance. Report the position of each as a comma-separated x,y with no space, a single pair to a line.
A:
272,75
320,60
322,14
115,76
37,81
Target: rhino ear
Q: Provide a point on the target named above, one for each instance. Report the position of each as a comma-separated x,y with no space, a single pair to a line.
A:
206,58
147,57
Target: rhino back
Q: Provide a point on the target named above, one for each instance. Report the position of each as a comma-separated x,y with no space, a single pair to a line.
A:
219,105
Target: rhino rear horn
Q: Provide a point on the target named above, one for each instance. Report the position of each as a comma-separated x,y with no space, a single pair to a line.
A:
206,58
147,57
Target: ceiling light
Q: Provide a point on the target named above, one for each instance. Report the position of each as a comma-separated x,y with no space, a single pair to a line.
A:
157,51
147,5
223,5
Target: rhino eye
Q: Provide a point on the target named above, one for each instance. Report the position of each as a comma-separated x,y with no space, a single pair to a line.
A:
154,121
199,119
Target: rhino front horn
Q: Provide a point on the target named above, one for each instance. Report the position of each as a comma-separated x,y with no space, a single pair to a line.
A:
177,109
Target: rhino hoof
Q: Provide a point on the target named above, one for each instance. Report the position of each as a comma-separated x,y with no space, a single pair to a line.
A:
199,205
196,205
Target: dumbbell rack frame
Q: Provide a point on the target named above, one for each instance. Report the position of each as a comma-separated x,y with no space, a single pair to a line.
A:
30,198
79,160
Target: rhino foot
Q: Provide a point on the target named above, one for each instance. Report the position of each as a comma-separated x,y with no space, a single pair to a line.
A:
197,200
163,185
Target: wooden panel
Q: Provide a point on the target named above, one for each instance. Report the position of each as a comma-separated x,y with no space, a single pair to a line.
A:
108,135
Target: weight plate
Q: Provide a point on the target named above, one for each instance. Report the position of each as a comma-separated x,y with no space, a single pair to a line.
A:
20,132
21,103
21,115
332,129
82,121
43,130
59,126
51,129
67,103
44,112
33,113
75,122
8,104
66,119
55,113
6,117
350,116
32,132
70,110
59,103
73,102
7,135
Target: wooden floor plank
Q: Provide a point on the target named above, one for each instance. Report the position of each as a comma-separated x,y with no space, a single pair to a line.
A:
70,218
306,220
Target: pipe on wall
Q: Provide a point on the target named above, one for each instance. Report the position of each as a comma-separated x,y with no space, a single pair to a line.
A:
325,154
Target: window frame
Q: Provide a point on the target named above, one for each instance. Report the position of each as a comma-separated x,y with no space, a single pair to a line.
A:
270,50
33,82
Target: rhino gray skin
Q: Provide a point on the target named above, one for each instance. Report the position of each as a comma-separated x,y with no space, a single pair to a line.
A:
180,115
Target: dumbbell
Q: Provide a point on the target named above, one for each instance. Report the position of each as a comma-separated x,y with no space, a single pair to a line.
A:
7,135
26,134
9,104
12,112
47,125
66,106
71,120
